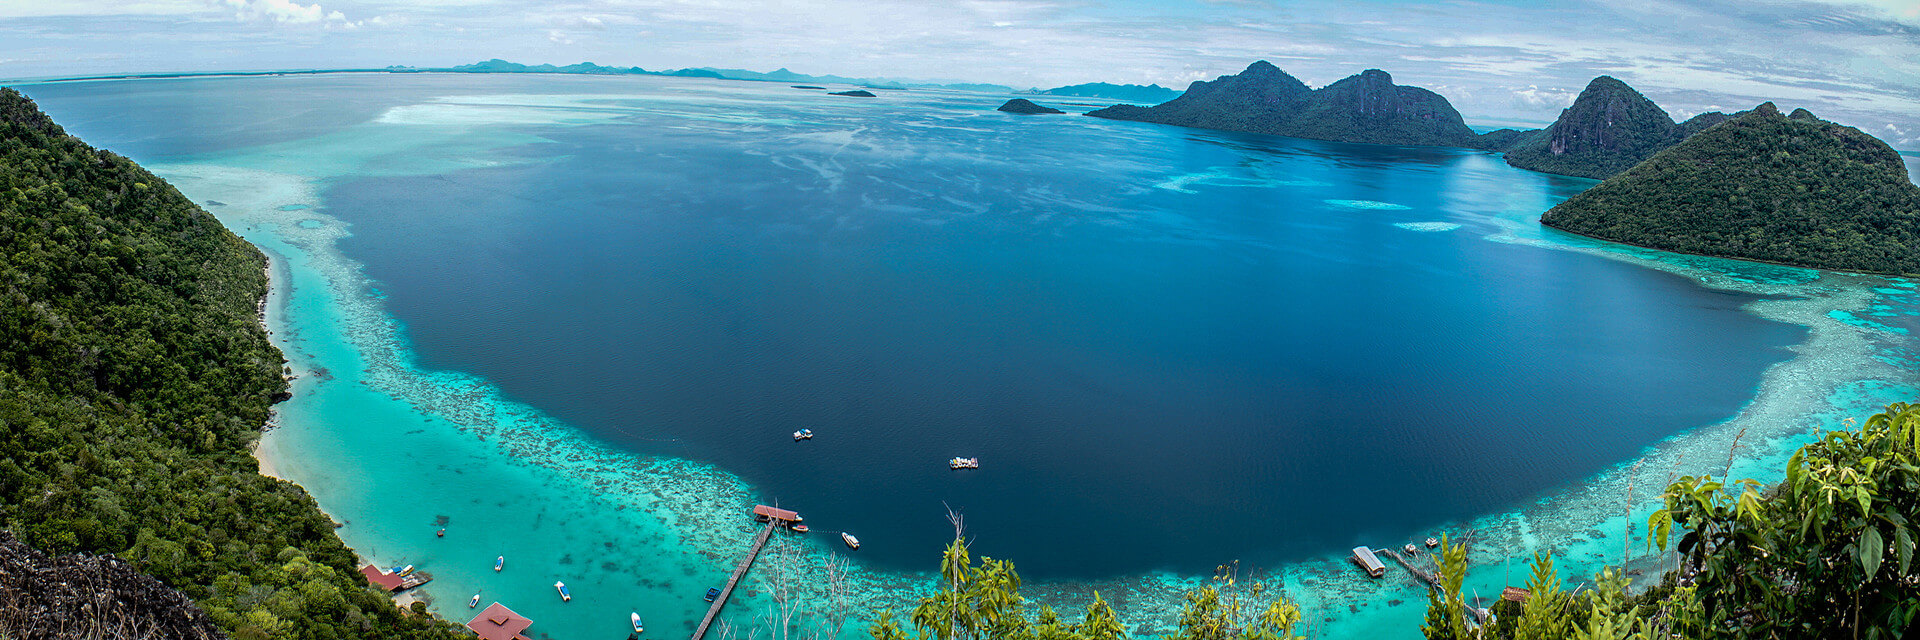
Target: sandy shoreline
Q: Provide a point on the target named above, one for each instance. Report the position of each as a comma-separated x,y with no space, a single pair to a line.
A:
268,464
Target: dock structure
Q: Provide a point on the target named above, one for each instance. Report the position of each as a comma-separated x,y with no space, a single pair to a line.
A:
774,518
1432,581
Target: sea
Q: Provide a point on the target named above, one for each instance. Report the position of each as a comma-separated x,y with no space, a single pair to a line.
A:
573,322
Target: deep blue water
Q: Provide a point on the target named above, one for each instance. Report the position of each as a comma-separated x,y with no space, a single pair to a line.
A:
1170,348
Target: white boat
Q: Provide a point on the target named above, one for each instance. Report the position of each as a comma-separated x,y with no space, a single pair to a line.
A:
564,596
803,434
475,602
850,540
963,463
499,562
407,570
637,627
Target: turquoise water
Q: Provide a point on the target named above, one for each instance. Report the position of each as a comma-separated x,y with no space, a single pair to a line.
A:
392,447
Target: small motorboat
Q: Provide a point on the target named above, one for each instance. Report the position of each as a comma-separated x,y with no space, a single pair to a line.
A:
851,541
799,528
475,602
963,463
1410,549
406,570
712,593
499,562
1433,542
637,627
565,596
803,434
440,534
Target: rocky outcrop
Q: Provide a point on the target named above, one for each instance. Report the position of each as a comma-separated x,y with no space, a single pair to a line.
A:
1367,107
1609,127
1023,106
82,596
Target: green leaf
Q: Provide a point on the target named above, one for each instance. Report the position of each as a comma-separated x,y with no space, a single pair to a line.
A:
1659,524
1903,547
1871,547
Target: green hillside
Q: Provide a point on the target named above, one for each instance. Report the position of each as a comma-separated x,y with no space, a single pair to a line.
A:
1763,186
133,381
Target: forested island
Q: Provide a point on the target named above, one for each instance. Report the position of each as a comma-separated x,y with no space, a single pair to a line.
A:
1609,128
134,380
1367,107
1763,186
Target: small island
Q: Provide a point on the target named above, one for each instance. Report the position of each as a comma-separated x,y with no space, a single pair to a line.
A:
1026,107
806,86
857,93
1609,128
1763,186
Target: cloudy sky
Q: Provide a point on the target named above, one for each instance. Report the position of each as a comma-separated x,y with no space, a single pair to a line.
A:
1499,61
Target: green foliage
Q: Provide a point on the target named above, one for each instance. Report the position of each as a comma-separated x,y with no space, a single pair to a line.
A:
1763,186
1545,615
133,382
1826,553
1446,606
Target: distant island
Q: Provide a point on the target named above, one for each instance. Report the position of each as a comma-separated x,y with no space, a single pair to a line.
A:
1024,106
857,93
1367,107
1149,94
1609,128
778,75
1793,190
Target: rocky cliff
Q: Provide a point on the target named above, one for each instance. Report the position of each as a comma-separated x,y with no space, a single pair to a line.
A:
1609,127
78,596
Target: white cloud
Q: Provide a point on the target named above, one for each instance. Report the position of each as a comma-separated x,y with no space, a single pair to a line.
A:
47,8
557,36
1534,96
282,11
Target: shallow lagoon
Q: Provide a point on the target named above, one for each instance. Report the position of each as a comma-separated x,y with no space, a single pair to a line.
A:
678,273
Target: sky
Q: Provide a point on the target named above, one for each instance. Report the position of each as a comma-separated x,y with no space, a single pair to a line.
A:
1498,61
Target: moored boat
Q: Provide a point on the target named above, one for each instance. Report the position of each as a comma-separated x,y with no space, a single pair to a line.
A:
637,627
958,463
406,570
712,593
499,562
565,596
799,528
1410,549
803,434
475,602
850,540
1433,542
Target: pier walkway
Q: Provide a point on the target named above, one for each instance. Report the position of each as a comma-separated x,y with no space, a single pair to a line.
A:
777,519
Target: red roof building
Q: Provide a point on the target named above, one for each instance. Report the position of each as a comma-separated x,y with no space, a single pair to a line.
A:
763,512
499,623
382,579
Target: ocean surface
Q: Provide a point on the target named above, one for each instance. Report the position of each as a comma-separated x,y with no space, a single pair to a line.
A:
575,321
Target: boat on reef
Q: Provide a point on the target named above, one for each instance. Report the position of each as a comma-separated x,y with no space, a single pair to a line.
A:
475,602
499,562
850,540
799,528
803,434
1410,549
963,463
1433,542
637,627
565,596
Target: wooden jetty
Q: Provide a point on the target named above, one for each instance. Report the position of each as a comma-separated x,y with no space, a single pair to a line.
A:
1432,581
775,518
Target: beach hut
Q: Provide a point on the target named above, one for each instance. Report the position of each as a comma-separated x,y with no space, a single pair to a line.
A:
499,623
1364,557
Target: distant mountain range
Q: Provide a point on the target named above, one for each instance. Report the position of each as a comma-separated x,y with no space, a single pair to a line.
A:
779,75
1149,94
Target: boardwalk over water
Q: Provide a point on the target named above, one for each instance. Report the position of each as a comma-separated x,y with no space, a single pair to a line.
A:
759,542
